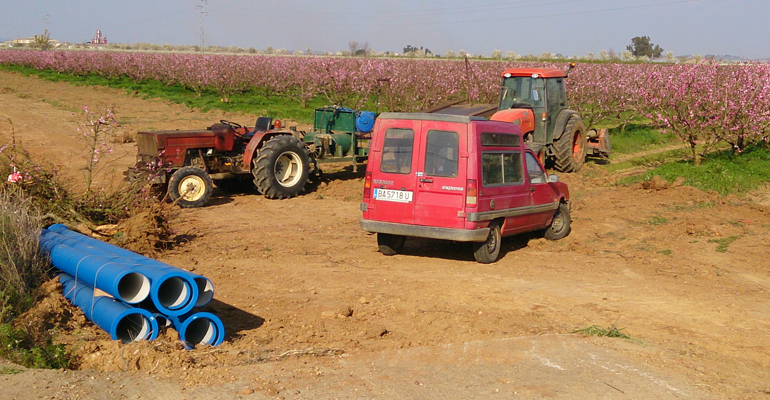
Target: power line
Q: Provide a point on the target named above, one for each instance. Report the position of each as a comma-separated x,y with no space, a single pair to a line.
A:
485,19
203,37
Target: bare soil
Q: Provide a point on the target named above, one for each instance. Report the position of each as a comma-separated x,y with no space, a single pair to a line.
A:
312,310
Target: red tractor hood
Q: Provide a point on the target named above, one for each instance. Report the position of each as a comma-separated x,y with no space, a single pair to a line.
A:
522,117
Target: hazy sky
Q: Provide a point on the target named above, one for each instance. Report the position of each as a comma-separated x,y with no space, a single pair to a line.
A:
568,27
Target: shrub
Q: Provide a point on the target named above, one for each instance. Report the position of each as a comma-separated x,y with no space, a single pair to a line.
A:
23,267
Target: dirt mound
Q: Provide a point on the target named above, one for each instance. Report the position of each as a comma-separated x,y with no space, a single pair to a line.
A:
51,314
147,231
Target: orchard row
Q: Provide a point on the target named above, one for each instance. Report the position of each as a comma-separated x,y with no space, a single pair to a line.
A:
705,103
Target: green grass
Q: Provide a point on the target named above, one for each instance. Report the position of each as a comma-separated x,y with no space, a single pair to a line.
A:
17,346
249,102
596,330
649,161
657,220
722,172
723,243
639,137
10,371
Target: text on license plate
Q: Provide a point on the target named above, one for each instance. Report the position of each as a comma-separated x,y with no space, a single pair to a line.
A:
401,196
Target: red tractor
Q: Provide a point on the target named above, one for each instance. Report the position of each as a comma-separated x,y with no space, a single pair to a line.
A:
277,162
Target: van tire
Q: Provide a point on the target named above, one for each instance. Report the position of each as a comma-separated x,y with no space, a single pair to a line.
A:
560,225
390,245
489,250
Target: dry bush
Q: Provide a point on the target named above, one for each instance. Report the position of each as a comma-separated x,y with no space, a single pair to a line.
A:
23,266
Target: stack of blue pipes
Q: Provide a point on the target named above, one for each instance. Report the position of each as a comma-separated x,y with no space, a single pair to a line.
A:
141,293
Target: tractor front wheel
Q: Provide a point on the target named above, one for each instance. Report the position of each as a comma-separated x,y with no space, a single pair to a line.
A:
571,147
190,187
281,167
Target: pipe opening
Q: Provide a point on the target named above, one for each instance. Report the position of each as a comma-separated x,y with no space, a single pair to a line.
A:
133,327
173,293
205,291
133,287
200,332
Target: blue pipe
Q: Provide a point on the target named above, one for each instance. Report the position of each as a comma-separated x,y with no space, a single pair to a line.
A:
130,286
199,329
125,323
205,288
172,290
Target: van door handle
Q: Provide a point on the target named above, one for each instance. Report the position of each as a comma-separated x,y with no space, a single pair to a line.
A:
531,188
426,180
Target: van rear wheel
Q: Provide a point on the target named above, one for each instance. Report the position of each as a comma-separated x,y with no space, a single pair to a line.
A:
390,244
489,250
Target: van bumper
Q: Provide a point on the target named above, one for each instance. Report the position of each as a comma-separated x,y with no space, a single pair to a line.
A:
458,235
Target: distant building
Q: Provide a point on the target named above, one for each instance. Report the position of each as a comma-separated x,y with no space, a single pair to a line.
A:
98,38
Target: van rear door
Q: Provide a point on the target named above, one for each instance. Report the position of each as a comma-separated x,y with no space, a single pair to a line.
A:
440,179
393,166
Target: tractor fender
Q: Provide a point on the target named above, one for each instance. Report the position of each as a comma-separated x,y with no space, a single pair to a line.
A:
561,123
256,142
522,117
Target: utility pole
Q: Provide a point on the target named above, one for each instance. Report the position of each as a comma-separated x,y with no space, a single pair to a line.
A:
203,14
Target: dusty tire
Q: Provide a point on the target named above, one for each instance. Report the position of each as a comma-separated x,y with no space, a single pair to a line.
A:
281,168
190,187
489,250
390,245
571,147
560,226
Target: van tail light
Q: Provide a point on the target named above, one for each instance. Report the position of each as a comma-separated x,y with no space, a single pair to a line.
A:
471,193
368,185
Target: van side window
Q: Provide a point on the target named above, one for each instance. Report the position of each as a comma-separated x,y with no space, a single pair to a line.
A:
501,168
441,153
536,173
397,151
500,139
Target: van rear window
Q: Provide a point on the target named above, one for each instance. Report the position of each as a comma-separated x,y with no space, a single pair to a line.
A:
441,153
500,139
397,151
501,169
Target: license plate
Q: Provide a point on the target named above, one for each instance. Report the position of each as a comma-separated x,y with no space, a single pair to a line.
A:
400,196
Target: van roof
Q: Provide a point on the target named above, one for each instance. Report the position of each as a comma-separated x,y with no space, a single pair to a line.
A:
463,119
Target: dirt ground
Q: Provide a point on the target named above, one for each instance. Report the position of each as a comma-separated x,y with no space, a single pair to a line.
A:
312,310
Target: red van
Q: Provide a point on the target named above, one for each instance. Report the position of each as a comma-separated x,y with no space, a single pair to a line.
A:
457,178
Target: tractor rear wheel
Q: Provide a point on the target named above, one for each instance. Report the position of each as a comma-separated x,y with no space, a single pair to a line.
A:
281,167
570,149
190,187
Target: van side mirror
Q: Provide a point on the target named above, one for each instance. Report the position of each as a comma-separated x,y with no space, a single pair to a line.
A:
553,178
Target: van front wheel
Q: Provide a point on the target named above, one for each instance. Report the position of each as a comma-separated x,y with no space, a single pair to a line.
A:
488,251
390,244
560,225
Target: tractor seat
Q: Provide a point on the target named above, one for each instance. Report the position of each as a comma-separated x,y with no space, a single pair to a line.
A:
263,124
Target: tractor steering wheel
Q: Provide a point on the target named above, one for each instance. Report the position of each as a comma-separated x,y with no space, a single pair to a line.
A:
235,125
